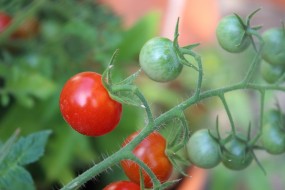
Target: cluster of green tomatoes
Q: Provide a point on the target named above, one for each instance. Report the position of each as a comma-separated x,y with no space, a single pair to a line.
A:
88,108
205,148
235,36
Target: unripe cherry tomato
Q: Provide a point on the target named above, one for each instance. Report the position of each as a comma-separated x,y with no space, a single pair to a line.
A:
203,151
273,132
159,60
122,185
152,152
236,155
231,35
274,46
271,73
87,107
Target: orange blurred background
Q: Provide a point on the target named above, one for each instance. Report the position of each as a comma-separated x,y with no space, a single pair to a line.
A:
198,19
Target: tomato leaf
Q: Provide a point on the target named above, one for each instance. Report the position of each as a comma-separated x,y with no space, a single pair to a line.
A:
4,149
25,151
132,43
16,178
28,149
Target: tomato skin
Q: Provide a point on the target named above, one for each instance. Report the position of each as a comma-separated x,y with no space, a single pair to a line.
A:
271,73
122,185
203,151
236,156
159,60
152,152
5,20
273,133
229,34
274,45
273,139
87,107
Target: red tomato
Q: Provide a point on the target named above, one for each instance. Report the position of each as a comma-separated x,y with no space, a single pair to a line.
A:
5,20
87,107
122,185
152,152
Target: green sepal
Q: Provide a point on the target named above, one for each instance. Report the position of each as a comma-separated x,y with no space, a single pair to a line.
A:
123,91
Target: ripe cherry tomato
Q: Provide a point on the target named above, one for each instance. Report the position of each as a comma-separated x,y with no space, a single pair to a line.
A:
231,35
5,20
203,151
159,60
152,152
122,185
87,107
236,155
274,45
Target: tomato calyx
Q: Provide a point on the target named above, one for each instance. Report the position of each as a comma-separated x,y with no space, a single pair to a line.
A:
179,51
121,91
176,143
249,31
236,151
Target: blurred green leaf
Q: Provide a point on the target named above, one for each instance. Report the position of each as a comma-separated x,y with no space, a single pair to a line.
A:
25,84
63,149
134,38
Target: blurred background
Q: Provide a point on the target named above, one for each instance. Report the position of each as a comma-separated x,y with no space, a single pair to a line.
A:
57,39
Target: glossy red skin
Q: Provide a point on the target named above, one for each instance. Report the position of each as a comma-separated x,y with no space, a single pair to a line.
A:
122,185
87,107
5,20
152,152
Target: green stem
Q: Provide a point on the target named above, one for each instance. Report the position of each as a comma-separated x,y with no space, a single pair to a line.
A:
155,181
146,106
95,170
253,66
262,96
223,99
124,152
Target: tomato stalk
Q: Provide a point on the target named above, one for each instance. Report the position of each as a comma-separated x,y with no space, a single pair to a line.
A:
127,92
172,113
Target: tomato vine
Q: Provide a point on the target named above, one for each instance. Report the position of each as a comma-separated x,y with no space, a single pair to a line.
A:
236,152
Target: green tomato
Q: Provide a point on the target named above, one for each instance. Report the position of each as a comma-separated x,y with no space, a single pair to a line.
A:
271,73
273,133
274,46
159,60
203,151
236,155
274,116
231,35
